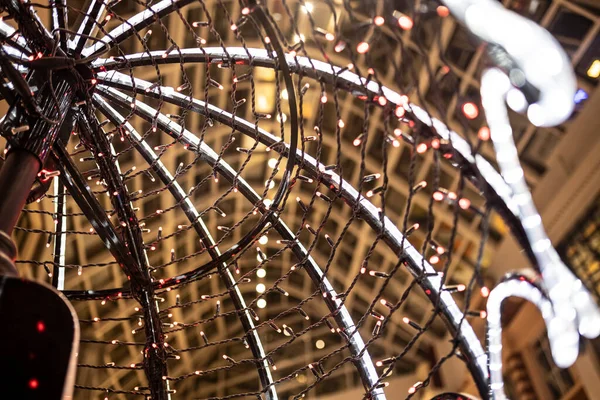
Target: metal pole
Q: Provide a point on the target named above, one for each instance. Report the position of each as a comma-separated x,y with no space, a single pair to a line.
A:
60,237
16,178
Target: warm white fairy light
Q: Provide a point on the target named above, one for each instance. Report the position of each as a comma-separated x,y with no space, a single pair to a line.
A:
261,303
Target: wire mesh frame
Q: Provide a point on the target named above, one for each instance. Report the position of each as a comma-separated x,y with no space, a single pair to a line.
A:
371,214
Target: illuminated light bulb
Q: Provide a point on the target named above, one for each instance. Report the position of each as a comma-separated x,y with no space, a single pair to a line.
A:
341,123
442,11
94,81
464,203
438,196
33,384
422,148
320,344
263,240
339,46
386,303
419,186
400,111
405,22
455,288
411,229
377,328
414,387
261,272
182,87
233,27
272,163
484,133
261,303
330,37
434,259
308,7
260,288
379,20
373,192
411,323
382,101
485,291
324,99
358,140
362,47
470,110
271,184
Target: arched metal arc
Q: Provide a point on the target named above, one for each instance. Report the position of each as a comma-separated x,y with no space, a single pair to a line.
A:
29,24
60,21
470,345
134,24
196,220
16,41
137,269
89,25
341,315
475,167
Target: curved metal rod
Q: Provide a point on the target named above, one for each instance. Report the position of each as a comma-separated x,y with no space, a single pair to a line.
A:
470,345
341,315
137,271
196,220
17,56
134,24
17,41
321,71
60,236
475,167
88,27
60,21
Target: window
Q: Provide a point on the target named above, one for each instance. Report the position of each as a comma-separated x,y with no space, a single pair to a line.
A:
581,250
